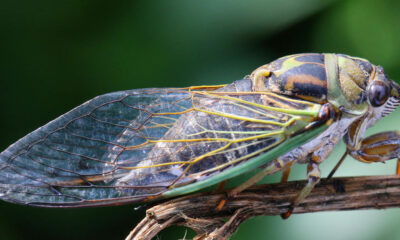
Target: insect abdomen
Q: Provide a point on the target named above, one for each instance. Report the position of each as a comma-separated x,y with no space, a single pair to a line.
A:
300,75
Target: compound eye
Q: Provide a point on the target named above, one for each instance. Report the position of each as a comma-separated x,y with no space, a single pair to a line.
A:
378,93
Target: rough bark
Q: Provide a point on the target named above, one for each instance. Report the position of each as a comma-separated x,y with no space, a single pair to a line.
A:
199,211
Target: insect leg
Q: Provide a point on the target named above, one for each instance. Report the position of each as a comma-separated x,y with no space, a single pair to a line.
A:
313,175
286,172
330,175
220,187
326,114
379,148
272,167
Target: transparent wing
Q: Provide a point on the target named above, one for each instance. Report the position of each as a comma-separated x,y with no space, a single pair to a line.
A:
134,145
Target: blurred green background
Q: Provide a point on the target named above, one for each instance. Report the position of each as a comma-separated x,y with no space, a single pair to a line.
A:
55,55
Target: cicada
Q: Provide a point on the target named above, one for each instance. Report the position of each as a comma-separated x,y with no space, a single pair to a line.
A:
148,144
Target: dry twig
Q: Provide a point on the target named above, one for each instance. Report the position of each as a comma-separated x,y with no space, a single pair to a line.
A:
199,212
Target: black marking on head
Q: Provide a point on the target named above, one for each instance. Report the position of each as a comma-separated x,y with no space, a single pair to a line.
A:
365,65
361,99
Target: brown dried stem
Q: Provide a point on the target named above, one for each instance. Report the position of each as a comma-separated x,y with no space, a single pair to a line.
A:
199,211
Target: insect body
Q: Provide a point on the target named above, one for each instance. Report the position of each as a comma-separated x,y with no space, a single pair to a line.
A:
145,144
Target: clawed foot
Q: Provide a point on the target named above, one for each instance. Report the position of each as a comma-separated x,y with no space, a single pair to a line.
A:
223,201
289,212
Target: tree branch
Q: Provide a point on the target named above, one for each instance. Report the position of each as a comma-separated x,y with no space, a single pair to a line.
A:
199,211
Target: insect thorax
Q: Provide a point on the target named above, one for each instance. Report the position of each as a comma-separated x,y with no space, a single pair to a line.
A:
314,77
301,75
339,79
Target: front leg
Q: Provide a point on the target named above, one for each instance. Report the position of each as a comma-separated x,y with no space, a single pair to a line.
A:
313,175
379,148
